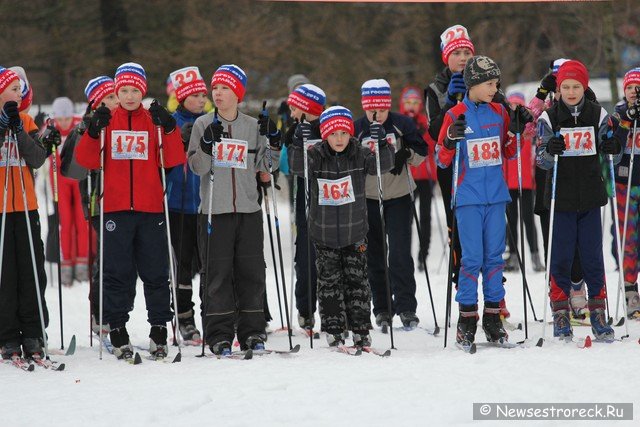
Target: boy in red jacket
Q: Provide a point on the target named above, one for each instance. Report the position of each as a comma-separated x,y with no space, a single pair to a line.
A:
134,228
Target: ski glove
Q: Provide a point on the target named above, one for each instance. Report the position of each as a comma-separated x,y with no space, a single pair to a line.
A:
611,145
290,133
185,133
212,133
51,139
269,129
400,160
556,145
161,117
456,89
302,133
455,132
377,132
10,117
519,118
99,120
547,84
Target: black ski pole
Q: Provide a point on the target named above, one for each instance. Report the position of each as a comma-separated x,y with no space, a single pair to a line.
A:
307,205
273,251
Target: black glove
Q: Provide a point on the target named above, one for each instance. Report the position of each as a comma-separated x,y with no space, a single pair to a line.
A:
455,132
86,119
547,84
377,132
519,118
185,133
161,117
10,117
611,145
628,112
290,133
456,88
51,139
269,129
212,134
556,145
302,133
400,160
99,120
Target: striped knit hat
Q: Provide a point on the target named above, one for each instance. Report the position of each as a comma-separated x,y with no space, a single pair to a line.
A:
334,119
632,77
232,76
131,74
6,78
187,81
309,98
98,88
376,94
455,37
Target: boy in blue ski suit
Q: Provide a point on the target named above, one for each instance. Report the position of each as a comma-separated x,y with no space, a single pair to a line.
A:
479,129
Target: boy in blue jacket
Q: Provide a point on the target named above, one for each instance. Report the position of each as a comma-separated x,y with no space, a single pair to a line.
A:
482,131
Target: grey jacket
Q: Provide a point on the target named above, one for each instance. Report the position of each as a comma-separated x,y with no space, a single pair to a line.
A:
339,226
234,190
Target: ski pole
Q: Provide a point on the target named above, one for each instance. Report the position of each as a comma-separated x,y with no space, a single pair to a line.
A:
423,256
454,230
278,238
90,266
31,246
101,248
6,147
273,251
172,272
376,149
179,265
307,205
49,227
56,227
294,235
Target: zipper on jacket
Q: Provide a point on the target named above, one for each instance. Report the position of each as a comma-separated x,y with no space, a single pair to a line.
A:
338,206
130,172
233,179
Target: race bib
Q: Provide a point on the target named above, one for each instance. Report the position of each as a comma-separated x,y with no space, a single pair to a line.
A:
579,141
185,75
627,149
453,33
369,142
231,153
129,145
4,154
311,142
335,192
484,152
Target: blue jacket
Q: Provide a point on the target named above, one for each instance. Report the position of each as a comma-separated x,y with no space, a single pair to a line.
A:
482,184
175,179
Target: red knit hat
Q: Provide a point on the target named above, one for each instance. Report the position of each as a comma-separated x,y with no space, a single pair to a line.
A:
6,78
455,37
631,78
232,76
131,74
187,81
573,70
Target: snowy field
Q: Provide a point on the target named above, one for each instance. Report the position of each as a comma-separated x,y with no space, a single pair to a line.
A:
420,384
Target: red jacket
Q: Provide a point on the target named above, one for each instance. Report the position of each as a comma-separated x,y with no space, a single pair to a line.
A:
131,182
511,167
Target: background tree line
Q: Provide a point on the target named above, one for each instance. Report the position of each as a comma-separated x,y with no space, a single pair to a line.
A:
63,43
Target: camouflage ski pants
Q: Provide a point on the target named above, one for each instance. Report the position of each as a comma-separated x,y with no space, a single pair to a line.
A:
344,294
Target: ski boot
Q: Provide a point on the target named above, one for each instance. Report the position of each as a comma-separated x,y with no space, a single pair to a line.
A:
188,330
467,325
81,272
382,320
511,263
492,324
122,347
633,300
255,342
538,266
561,323
599,326
221,348
361,339
409,320
32,347
306,322
578,300
96,329
10,349
334,340
158,342
66,275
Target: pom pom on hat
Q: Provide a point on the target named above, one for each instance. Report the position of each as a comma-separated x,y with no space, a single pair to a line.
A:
131,74
334,119
376,94
308,98
98,88
232,76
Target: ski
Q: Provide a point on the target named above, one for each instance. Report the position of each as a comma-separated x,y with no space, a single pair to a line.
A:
371,350
47,363
236,355
192,343
308,332
350,350
294,350
467,347
511,326
20,363
498,344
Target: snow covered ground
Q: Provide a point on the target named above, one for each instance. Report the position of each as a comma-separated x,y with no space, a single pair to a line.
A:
420,384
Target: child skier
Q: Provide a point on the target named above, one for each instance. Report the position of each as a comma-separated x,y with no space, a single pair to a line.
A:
401,132
134,227
307,100
575,129
337,170
627,113
235,285
183,187
19,314
479,128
